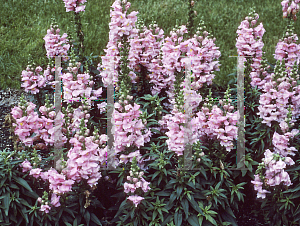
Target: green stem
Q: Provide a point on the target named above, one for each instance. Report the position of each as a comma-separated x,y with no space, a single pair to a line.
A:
80,35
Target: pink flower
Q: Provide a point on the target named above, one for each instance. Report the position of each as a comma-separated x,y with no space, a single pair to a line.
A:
17,112
26,166
35,172
135,199
129,187
45,208
55,200
262,193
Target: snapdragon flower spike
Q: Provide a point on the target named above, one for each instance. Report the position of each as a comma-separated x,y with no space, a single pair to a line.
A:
290,8
75,5
145,51
249,43
277,94
33,80
201,49
79,86
289,51
136,181
55,44
126,120
121,24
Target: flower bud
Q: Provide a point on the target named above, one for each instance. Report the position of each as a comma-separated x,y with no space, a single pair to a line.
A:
128,178
198,160
192,3
201,154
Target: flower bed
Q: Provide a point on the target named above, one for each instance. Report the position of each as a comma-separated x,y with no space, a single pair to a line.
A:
157,82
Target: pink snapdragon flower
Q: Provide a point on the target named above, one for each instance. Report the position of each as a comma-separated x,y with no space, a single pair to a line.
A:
55,200
33,80
26,165
75,5
120,25
135,199
45,208
35,172
55,44
249,43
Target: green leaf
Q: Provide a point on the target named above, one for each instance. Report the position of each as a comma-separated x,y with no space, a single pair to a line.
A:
296,195
155,174
162,193
211,220
6,201
95,219
87,217
24,214
185,206
179,190
23,182
69,211
178,218
193,220
196,206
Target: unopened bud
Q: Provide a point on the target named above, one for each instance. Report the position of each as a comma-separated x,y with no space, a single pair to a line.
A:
192,3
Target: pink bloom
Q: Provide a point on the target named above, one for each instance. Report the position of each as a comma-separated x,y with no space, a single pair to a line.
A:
26,166
135,199
39,200
262,193
55,200
35,172
129,187
17,112
45,208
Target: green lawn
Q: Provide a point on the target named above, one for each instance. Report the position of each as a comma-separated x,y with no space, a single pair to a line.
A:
24,24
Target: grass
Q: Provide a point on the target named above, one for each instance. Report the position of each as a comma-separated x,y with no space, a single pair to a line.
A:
24,24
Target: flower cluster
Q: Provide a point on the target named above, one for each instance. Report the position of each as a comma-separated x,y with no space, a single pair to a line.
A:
136,181
281,142
128,131
55,44
78,86
218,126
290,9
274,173
201,49
84,163
280,103
278,94
75,5
121,24
144,51
33,79
288,50
249,43
175,122
29,122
